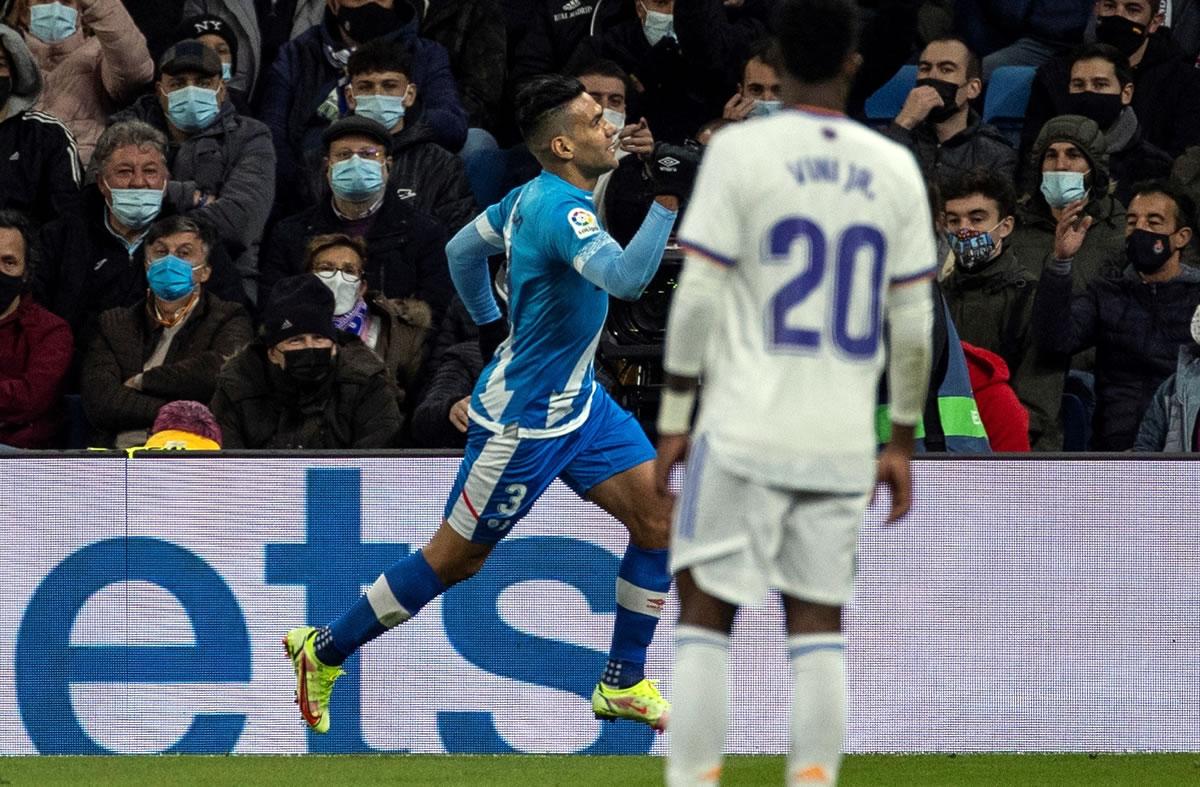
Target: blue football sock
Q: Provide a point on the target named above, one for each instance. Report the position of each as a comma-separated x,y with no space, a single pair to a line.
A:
398,594
642,586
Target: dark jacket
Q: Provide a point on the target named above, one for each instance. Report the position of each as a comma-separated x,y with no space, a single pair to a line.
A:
978,145
304,94
232,161
666,92
257,407
1185,27
545,39
86,269
989,25
1137,330
35,353
403,342
1131,158
1170,420
406,251
1166,96
433,178
39,164
993,309
127,337
716,39
454,364
472,31
1104,246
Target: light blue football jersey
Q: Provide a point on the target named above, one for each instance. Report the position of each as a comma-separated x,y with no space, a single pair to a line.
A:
541,378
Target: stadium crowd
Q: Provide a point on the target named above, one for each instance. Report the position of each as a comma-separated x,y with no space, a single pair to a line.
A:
246,203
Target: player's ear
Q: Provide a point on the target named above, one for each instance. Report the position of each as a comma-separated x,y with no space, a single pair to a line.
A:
562,147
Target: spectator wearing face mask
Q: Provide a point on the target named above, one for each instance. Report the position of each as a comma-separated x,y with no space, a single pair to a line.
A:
1171,422
1101,88
39,163
169,345
937,122
1166,94
422,171
990,297
95,261
395,329
302,384
219,36
221,162
1071,155
674,102
304,90
758,92
35,345
1137,319
93,61
406,256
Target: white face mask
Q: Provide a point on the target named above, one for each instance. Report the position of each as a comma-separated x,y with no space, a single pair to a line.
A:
1196,325
658,26
345,291
617,119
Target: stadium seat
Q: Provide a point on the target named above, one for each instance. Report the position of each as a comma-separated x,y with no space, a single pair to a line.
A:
885,103
1006,98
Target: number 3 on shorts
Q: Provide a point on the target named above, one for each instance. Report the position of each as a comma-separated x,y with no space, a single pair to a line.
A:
516,494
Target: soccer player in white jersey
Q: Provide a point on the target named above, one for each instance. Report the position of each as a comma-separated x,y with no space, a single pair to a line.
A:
537,413
805,234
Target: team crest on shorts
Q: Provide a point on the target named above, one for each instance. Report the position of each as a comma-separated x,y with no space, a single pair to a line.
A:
583,222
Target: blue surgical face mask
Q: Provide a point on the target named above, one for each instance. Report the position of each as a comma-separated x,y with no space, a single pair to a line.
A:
1062,188
52,22
384,110
658,26
763,108
226,71
171,278
192,108
135,208
356,179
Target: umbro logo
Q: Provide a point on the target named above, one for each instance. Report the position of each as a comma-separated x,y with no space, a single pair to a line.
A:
668,163
571,5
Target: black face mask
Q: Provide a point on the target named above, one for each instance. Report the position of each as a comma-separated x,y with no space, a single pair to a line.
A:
1119,32
308,367
10,288
370,21
1104,108
948,93
1148,251
5,90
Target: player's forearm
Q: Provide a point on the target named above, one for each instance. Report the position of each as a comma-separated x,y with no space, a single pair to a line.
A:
467,254
625,274
910,322
693,314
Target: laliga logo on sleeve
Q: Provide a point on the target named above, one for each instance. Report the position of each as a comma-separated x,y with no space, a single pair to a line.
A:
583,222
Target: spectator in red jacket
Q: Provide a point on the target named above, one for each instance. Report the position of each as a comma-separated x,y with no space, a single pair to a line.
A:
1004,417
35,346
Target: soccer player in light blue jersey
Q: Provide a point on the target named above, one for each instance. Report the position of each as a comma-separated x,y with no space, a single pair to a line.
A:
537,413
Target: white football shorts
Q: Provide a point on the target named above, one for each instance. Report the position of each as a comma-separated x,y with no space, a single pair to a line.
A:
741,539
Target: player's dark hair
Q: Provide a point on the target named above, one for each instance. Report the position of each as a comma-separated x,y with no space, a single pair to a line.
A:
1185,207
814,37
989,183
541,100
16,220
1108,53
602,68
377,56
974,66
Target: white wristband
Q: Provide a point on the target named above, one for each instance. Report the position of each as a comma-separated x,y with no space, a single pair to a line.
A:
675,411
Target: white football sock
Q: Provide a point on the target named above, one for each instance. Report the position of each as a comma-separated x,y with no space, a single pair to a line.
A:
818,707
699,706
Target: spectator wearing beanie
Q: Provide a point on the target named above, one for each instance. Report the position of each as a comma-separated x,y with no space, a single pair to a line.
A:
184,426
93,60
303,384
1071,158
216,34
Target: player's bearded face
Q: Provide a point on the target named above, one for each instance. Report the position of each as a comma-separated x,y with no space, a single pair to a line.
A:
593,138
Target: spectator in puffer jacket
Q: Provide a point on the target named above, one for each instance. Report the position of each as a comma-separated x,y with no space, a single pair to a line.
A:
221,162
422,171
302,384
1004,417
35,345
93,60
168,346
39,163
1171,423
1137,320
304,91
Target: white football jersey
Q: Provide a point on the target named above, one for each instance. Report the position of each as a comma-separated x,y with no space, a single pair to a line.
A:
815,216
